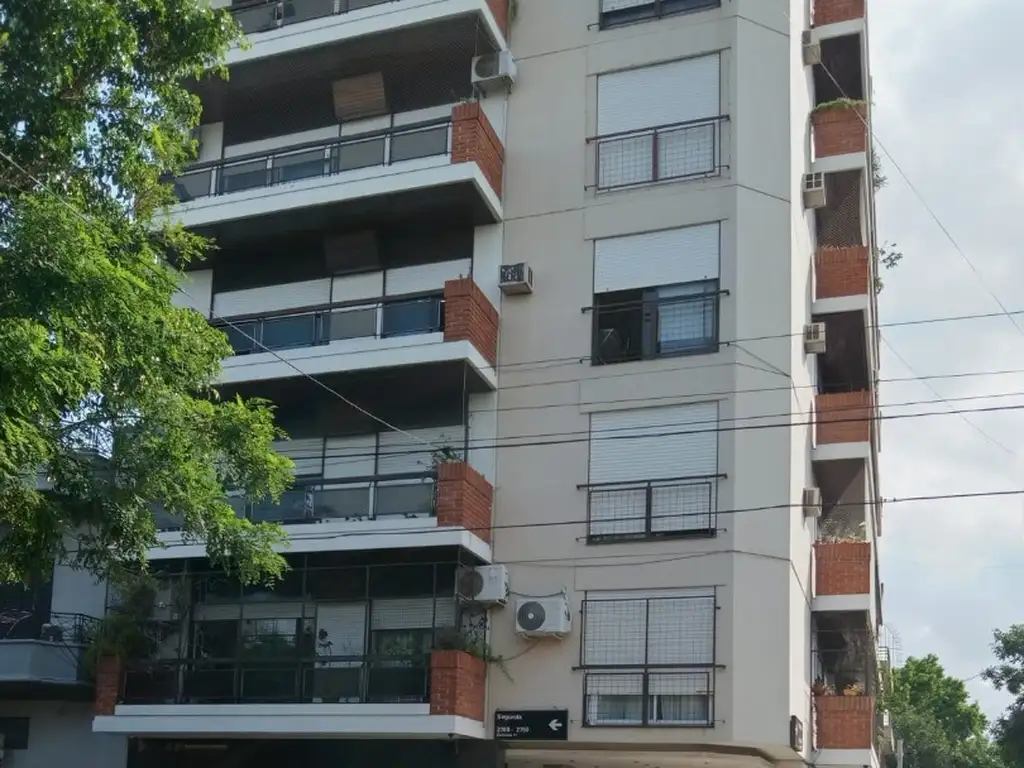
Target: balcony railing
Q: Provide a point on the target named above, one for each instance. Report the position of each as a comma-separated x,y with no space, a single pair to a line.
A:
67,628
324,679
616,13
314,160
653,508
692,149
294,329
262,16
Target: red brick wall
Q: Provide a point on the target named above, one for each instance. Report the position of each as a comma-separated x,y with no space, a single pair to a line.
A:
840,130
831,11
464,499
500,10
474,141
844,417
457,682
469,315
108,685
842,568
844,722
841,272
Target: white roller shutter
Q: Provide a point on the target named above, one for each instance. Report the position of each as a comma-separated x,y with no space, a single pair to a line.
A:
424,277
614,632
401,453
646,445
255,301
681,630
413,613
308,455
648,97
653,259
350,457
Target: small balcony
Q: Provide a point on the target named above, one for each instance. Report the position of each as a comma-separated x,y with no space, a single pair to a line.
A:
846,684
841,130
41,655
828,12
842,568
844,425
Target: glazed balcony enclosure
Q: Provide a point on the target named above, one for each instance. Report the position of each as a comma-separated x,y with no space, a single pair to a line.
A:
346,644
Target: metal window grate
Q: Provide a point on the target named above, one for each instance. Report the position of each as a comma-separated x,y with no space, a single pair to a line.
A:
653,508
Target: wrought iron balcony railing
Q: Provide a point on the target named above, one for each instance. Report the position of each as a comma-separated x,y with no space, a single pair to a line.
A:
652,508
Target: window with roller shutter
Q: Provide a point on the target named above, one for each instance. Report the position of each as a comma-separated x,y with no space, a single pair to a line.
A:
617,13
659,123
657,294
649,659
653,473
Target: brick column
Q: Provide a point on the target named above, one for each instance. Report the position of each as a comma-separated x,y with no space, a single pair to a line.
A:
844,417
500,10
464,499
833,11
457,683
844,722
842,568
840,130
841,272
108,685
468,315
474,141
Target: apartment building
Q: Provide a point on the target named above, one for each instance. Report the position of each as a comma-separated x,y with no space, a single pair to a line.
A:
568,307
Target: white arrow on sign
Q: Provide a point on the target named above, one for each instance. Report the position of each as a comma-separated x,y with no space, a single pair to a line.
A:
554,725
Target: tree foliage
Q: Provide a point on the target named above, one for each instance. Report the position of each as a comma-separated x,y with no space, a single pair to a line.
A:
1008,675
939,724
93,355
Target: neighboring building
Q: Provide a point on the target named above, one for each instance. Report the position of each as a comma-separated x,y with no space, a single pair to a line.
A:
650,501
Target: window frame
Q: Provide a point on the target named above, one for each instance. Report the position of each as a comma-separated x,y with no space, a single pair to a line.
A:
657,13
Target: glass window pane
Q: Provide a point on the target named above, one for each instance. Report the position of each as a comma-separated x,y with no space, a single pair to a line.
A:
421,143
304,10
216,639
235,178
409,500
241,337
687,316
361,154
295,506
300,165
406,318
351,323
189,186
353,501
257,19
289,332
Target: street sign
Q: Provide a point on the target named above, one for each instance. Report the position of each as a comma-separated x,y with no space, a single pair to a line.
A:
531,725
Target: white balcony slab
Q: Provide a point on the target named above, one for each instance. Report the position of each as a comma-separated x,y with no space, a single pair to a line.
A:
406,176
840,29
842,603
283,720
853,161
354,355
365,22
346,536
861,758
839,304
841,451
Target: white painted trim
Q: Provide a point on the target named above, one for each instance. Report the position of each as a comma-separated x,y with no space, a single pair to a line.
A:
346,536
367,21
841,451
391,720
421,173
851,757
350,355
839,304
854,161
840,29
842,603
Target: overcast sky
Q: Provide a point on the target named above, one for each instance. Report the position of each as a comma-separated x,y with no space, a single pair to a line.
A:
947,107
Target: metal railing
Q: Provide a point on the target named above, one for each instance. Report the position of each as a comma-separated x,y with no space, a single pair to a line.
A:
314,160
324,679
406,496
692,149
293,329
657,327
263,16
652,508
53,627
616,13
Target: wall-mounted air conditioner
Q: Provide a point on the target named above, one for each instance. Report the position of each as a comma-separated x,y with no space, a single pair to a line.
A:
814,338
494,71
812,502
516,279
486,584
814,191
543,616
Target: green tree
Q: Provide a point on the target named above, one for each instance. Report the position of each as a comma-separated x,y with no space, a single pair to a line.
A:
939,724
93,355
1008,675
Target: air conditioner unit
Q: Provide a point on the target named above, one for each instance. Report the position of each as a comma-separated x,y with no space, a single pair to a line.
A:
516,279
811,50
486,584
814,190
543,617
814,338
494,71
812,502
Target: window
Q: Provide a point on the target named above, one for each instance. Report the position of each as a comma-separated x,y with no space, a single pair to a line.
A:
659,123
616,13
653,473
649,660
656,294
14,732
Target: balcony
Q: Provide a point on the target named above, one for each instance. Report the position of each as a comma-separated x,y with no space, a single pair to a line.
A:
456,159
276,27
845,692
840,132
842,568
842,273
42,656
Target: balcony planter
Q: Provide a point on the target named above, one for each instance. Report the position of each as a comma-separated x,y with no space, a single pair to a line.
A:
464,499
840,128
844,417
835,11
470,316
457,684
841,272
108,684
842,568
844,722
